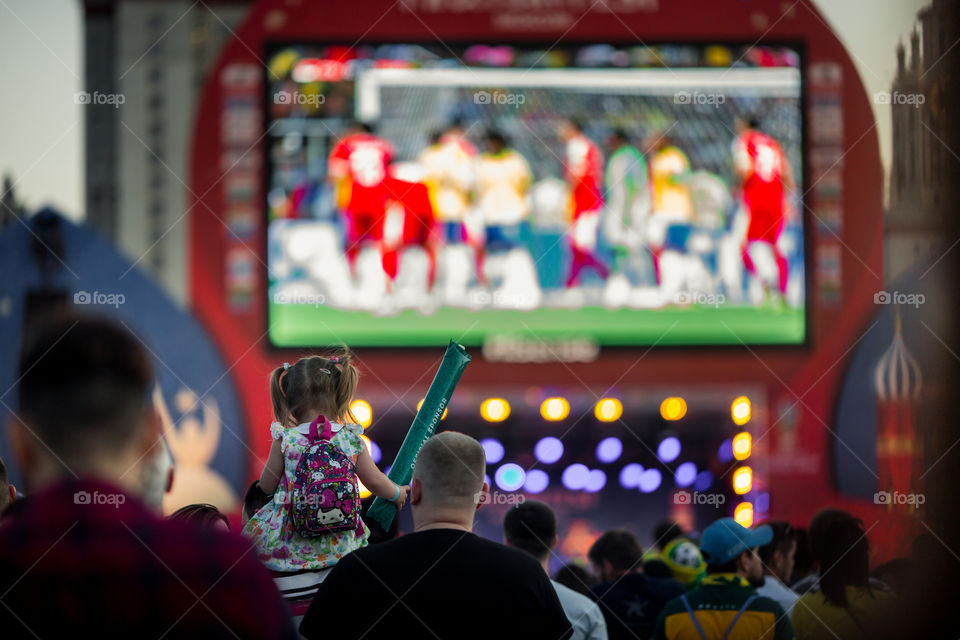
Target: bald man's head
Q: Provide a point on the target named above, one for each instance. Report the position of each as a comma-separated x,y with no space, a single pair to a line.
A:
450,469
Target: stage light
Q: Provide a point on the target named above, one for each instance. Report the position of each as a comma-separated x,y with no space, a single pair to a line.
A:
509,476
554,409
630,475
742,445
725,450
548,450
495,410
608,410
686,474
650,480
673,408
743,514
668,449
364,492
575,477
704,480
597,480
742,480
362,411
493,450
740,410
372,449
537,481
609,449
445,409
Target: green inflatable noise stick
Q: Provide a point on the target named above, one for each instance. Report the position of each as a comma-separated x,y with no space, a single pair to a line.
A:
455,360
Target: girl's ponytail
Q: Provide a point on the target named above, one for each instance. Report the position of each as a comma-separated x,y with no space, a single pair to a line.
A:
346,385
281,411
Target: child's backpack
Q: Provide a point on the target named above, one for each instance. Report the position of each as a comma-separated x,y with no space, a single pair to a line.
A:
325,497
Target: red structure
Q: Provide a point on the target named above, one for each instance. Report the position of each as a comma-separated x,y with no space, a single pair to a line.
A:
791,418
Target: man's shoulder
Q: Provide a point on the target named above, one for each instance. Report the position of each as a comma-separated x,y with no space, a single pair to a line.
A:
570,597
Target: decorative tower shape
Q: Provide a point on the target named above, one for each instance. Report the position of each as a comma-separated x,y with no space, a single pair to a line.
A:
898,382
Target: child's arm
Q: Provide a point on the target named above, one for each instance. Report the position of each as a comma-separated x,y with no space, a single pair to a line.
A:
378,484
273,470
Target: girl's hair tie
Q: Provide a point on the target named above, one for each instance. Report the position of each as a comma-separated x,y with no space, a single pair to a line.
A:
286,366
334,359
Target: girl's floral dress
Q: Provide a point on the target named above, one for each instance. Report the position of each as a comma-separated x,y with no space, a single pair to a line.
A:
280,548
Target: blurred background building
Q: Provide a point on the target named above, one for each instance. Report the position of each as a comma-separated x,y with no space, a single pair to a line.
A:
156,55
922,166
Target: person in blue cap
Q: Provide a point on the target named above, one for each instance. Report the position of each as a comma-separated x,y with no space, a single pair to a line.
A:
726,605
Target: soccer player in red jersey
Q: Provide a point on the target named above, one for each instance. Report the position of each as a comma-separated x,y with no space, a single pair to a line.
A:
763,174
583,170
358,168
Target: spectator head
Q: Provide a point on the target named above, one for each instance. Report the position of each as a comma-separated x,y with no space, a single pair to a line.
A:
746,123
84,403
253,500
205,516
839,544
778,555
803,562
666,531
575,577
312,386
729,547
358,127
615,553
448,484
531,526
8,492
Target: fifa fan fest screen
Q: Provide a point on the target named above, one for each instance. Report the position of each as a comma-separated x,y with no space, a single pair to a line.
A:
616,194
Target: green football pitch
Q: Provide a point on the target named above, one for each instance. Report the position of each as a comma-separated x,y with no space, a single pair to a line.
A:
315,326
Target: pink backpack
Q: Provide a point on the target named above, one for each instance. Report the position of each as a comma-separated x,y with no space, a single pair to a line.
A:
325,497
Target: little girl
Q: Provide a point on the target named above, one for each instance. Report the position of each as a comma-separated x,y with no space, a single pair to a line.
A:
311,404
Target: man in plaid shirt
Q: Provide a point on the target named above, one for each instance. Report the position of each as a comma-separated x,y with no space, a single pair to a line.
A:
81,555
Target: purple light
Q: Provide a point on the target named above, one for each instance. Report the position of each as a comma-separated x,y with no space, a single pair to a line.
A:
575,477
596,481
375,452
493,449
761,503
510,476
703,481
536,481
630,475
725,452
548,450
650,480
686,474
609,449
668,449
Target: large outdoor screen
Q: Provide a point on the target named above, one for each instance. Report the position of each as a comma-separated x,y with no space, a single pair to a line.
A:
618,195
